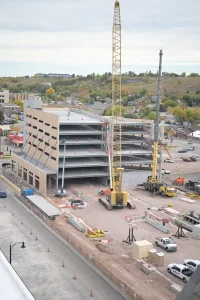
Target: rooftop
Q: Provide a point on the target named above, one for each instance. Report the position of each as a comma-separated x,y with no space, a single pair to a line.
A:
11,286
73,118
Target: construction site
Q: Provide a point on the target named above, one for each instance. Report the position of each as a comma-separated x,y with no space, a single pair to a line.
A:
114,199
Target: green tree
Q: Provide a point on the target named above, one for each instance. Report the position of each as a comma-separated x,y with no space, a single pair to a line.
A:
19,103
109,111
179,114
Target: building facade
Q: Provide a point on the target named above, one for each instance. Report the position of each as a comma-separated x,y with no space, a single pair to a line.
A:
9,109
77,141
18,96
4,96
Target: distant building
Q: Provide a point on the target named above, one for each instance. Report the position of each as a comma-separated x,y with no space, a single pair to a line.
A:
53,75
17,96
10,109
4,96
46,84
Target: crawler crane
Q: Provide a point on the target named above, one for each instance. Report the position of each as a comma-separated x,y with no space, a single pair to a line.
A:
117,197
152,183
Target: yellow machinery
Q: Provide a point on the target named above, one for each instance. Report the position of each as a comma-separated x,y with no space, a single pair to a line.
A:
117,198
152,183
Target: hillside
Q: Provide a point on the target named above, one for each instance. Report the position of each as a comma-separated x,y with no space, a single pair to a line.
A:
101,85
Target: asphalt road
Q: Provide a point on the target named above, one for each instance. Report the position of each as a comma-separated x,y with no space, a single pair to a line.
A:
41,270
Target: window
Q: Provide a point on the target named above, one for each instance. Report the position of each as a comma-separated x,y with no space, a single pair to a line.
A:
46,153
47,124
54,138
40,130
28,124
34,118
25,169
34,145
46,133
47,144
40,149
40,140
54,127
25,175
37,177
35,136
29,143
40,121
35,127
52,157
53,148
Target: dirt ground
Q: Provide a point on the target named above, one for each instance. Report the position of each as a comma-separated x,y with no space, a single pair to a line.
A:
95,215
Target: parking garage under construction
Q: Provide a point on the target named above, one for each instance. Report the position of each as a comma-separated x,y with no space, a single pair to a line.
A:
77,142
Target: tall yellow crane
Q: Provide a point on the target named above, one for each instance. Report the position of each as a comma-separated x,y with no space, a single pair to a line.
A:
117,197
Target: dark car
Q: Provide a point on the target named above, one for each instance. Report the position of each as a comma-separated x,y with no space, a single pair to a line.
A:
182,151
3,195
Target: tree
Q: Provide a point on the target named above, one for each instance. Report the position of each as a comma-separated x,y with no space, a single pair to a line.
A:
19,103
50,92
109,111
152,115
179,114
143,92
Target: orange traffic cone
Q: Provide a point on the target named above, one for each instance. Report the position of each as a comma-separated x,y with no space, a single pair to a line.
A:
74,276
91,293
149,265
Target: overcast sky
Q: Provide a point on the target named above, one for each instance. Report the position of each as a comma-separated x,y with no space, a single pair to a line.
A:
75,36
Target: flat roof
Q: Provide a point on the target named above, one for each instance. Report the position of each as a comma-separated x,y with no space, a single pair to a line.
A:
11,286
74,118
49,209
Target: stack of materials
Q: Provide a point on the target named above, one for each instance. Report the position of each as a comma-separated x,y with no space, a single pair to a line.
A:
159,259
152,256
140,249
196,232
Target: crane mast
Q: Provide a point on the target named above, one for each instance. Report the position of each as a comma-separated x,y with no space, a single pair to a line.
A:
156,127
117,196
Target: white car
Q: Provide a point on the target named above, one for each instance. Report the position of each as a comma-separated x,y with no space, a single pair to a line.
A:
168,160
165,171
180,271
192,264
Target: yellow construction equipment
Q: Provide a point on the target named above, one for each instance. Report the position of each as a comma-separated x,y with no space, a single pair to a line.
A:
117,197
95,233
152,183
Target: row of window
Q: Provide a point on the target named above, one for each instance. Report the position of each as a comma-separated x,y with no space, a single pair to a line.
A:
42,150
41,121
46,133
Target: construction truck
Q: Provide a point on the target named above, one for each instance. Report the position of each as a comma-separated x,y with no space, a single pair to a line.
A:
180,180
152,183
193,185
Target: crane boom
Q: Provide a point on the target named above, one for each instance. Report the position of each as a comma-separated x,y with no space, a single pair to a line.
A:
156,128
117,196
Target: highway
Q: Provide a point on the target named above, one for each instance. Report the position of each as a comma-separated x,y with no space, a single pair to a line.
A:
40,267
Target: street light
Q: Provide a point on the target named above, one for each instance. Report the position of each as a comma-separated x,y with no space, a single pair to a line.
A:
11,246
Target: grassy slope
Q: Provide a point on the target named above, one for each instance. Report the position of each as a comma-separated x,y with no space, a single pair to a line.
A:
172,85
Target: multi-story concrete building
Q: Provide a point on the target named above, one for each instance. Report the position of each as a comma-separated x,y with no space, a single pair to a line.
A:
10,109
18,96
76,140
4,96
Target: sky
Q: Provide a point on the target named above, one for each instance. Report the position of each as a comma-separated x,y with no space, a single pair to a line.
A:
75,36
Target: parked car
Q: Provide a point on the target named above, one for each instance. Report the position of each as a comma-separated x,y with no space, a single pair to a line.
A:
190,148
168,160
187,159
190,142
165,171
193,158
182,151
166,243
3,195
180,271
192,264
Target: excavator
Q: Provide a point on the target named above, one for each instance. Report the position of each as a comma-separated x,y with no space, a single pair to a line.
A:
117,198
152,184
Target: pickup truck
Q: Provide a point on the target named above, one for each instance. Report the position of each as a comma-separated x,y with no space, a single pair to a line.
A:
166,243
